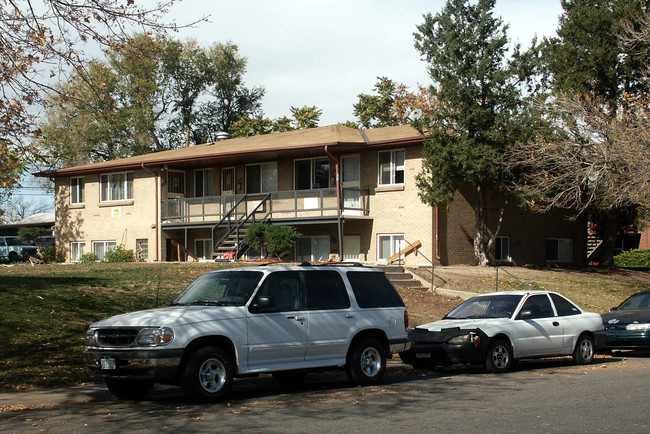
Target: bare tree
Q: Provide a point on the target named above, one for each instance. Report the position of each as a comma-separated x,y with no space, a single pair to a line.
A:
41,40
17,209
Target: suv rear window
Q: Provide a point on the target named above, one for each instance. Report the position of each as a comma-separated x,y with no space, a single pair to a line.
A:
373,289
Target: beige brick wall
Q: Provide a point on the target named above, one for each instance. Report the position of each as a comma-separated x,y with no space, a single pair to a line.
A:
122,221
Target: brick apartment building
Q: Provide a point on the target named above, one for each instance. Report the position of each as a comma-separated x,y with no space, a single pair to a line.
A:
350,193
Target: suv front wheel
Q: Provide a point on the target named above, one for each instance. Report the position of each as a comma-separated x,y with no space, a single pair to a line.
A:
367,363
208,374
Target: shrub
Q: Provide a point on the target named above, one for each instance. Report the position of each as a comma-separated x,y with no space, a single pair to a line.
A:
633,258
50,254
88,258
30,234
278,241
119,254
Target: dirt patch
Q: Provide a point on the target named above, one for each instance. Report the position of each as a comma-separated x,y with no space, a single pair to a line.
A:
424,306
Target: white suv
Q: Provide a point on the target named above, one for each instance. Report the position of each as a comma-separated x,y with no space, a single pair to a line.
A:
284,320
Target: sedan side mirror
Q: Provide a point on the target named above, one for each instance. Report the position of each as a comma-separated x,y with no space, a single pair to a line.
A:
525,314
261,303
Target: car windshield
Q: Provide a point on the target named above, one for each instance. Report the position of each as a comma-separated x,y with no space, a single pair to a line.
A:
226,288
487,306
637,301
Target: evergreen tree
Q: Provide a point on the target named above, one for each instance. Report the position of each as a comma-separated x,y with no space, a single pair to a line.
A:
479,112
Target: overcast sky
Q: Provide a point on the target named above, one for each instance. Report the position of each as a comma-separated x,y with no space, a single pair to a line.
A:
326,52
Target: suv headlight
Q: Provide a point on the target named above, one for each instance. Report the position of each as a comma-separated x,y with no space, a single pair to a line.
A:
644,326
152,337
91,340
465,339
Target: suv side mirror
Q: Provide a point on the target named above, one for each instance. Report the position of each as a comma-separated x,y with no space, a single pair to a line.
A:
261,303
613,309
525,314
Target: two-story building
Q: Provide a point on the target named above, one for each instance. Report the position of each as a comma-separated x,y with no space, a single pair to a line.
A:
350,193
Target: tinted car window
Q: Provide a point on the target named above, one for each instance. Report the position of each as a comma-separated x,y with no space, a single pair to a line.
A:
491,306
563,306
283,288
637,301
230,288
325,290
539,305
373,290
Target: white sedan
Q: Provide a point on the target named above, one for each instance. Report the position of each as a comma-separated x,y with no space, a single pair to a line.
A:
496,329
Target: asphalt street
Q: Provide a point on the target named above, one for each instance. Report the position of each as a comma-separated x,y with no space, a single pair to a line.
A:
550,395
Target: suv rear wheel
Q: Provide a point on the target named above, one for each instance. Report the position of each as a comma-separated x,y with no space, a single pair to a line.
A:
367,363
208,374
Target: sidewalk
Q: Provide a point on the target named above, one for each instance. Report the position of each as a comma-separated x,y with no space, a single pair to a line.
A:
53,397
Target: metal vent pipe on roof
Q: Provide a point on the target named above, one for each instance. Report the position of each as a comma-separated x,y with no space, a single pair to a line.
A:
222,135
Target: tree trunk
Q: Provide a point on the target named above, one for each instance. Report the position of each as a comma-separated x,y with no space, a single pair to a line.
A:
610,232
480,227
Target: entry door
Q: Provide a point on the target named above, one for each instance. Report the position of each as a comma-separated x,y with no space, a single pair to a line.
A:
350,179
227,189
351,248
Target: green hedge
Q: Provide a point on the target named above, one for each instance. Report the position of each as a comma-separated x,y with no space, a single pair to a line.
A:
633,258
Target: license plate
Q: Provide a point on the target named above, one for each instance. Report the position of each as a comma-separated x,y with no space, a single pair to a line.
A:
107,363
422,355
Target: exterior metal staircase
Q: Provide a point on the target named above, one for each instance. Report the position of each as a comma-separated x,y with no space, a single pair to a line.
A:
230,244
594,243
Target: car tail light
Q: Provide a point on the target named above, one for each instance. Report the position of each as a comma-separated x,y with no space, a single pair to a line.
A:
406,319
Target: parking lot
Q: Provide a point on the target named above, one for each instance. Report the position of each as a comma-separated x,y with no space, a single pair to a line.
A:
540,396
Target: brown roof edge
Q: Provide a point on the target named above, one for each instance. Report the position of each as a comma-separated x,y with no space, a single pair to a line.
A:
106,166
401,141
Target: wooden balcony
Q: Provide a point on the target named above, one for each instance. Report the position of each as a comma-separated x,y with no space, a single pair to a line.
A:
284,205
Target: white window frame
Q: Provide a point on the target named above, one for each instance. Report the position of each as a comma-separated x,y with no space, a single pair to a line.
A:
312,172
206,185
207,242
269,168
393,238
126,187
77,250
171,187
498,256
393,167
562,257
108,244
78,190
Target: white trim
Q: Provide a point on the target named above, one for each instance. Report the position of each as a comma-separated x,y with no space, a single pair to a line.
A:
393,167
125,186
78,190
393,238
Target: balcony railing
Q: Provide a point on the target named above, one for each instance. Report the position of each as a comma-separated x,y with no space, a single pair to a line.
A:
294,204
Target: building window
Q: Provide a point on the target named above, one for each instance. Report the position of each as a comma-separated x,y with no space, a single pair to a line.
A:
203,183
389,245
116,186
559,250
203,248
101,247
142,249
77,191
311,173
502,249
391,167
313,249
262,178
77,249
176,182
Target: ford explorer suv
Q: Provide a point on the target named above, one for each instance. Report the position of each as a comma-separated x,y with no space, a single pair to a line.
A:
283,320
14,249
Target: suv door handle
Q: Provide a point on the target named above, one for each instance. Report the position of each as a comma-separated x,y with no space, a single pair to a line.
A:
349,315
556,324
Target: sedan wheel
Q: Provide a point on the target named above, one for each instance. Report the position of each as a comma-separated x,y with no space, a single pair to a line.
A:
499,357
584,351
